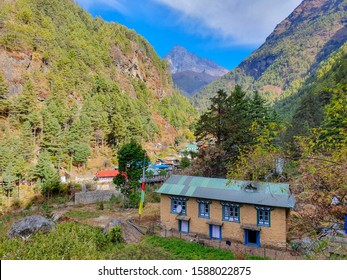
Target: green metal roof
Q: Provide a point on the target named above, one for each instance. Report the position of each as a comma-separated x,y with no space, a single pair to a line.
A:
269,194
192,147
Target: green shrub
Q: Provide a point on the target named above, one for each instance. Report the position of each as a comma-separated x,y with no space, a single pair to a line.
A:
134,199
151,195
16,204
100,205
64,188
115,235
70,241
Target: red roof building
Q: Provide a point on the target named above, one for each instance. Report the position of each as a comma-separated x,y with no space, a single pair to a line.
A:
107,175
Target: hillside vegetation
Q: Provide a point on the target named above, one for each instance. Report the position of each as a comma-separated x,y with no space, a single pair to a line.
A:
76,86
314,30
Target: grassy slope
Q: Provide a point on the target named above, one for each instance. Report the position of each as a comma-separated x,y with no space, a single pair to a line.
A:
75,241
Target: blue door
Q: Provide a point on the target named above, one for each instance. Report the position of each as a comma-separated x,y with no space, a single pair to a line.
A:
252,238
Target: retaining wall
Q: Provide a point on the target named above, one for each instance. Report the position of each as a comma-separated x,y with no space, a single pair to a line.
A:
94,197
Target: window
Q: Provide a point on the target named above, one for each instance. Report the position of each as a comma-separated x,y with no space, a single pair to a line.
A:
175,202
183,226
230,212
263,216
204,208
215,232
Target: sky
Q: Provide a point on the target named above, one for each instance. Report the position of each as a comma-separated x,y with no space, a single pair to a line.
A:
225,31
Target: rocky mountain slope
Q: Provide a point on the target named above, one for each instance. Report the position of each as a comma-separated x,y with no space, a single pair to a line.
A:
74,85
191,73
314,30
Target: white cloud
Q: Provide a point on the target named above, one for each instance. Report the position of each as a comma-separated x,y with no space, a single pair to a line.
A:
236,22
118,5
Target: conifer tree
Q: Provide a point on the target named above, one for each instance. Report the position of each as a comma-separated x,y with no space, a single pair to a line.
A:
4,103
334,128
26,102
26,141
213,123
52,135
46,173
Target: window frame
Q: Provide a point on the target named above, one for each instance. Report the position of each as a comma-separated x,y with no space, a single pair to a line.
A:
178,200
230,205
180,226
206,203
263,212
211,231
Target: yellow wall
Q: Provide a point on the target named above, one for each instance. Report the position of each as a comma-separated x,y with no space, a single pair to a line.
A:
275,235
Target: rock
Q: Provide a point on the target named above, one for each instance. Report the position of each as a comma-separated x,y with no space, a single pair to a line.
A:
30,225
112,224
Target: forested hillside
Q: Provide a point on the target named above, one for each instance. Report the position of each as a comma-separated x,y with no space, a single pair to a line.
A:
309,151
72,86
309,105
314,30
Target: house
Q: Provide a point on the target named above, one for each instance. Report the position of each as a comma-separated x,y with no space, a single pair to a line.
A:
252,213
189,148
106,176
157,173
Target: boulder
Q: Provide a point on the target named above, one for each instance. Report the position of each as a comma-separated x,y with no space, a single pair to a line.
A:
30,225
112,224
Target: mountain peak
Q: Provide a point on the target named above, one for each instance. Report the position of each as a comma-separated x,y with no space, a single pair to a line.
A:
190,73
180,60
294,50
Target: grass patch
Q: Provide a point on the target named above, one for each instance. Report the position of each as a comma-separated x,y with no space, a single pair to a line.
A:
82,214
183,250
70,241
76,241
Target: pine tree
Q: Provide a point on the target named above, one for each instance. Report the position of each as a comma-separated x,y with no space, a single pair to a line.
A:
26,141
4,103
80,152
26,102
118,132
9,178
46,173
52,135
213,123
334,128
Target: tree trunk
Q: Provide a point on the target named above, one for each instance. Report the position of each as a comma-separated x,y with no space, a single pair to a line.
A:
8,198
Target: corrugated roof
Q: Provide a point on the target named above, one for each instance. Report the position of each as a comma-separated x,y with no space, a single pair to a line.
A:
267,194
108,173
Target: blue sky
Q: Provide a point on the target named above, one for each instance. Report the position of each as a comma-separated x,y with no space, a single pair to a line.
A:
225,31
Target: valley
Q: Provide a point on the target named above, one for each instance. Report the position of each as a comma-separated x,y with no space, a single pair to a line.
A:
81,96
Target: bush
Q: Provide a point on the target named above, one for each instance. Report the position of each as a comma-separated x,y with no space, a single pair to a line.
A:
115,235
70,241
114,200
100,205
16,203
151,195
134,199
64,188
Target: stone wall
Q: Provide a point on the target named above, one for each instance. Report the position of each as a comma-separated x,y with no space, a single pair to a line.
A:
238,249
95,196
